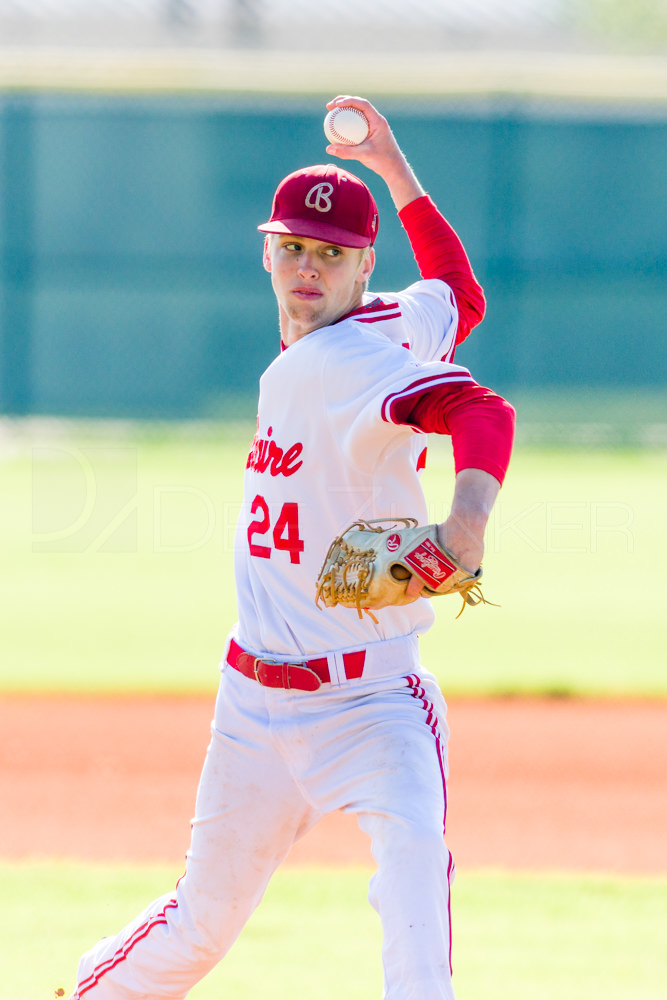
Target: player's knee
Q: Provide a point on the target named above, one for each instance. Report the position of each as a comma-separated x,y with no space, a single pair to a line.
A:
413,839
426,843
212,924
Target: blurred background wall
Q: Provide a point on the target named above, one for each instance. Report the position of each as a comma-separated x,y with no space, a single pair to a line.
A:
141,142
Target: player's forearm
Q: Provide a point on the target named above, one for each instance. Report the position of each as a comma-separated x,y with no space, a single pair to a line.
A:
475,493
462,533
401,180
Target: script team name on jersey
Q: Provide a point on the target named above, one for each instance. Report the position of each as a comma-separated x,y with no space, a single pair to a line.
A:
267,456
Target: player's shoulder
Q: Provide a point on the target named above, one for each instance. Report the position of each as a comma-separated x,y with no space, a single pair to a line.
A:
389,311
428,292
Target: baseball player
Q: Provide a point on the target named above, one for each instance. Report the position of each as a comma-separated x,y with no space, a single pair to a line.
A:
322,708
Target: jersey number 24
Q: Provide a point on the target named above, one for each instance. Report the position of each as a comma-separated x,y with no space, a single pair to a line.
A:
285,531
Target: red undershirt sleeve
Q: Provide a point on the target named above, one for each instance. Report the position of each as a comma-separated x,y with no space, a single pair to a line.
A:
440,254
480,423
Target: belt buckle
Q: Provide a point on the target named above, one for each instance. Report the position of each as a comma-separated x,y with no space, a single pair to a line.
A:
260,659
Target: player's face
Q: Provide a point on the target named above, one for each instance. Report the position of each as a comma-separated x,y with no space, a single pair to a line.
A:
315,283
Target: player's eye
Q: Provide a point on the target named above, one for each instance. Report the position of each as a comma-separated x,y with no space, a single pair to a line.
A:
333,251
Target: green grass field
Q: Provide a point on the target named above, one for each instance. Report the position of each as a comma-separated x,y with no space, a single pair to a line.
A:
117,544
515,937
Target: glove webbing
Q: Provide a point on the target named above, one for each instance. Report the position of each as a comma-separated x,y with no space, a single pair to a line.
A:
336,586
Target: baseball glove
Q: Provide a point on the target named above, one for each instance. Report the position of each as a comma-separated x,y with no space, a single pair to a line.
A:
369,566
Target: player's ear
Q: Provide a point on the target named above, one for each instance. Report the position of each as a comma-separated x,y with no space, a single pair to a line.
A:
266,254
367,264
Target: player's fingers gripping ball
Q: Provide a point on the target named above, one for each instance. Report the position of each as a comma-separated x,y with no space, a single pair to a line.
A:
346,126
369,566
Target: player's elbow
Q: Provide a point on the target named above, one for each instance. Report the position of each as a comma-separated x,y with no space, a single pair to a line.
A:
477,305
472,309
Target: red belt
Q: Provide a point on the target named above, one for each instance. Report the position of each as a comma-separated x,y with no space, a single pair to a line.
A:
307,675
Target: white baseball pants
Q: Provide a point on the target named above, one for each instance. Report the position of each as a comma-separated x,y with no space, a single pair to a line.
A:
278,760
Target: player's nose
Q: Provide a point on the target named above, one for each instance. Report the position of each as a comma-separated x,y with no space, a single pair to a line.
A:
307,266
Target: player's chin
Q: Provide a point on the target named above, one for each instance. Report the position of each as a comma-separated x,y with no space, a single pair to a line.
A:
307,315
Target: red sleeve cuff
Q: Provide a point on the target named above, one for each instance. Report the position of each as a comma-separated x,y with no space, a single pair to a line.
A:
480,422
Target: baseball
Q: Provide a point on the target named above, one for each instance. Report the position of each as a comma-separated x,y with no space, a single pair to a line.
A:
346,126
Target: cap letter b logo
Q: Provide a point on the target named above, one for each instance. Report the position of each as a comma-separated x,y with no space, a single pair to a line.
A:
319,197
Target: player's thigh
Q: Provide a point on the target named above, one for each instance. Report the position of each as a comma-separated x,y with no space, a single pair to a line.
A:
405,758
387,752
248,809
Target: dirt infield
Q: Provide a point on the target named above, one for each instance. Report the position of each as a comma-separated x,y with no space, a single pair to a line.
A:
535,785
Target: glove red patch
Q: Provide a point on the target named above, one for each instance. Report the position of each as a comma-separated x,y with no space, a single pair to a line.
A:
430,564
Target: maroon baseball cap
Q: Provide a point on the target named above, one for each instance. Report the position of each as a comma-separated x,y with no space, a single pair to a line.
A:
324,203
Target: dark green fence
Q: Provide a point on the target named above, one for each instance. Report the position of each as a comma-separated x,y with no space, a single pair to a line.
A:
130,269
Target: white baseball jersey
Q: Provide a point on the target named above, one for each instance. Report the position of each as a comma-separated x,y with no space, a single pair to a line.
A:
326,454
